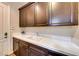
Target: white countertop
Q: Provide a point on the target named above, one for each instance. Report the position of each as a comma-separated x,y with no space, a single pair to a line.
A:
55,43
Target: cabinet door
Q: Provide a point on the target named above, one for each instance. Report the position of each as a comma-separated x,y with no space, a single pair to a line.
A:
63,13
41,13
27,16
16,46
23,48
37,51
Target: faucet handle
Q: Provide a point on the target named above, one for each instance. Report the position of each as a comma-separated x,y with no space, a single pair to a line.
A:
6,35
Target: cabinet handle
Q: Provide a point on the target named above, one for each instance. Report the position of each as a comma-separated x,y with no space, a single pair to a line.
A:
5,35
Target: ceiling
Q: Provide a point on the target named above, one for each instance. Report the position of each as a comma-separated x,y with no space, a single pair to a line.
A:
15,4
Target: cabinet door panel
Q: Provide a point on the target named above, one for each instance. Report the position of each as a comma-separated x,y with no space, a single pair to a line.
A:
16,46
37,51
41,13
22,18
23,48
27,16
62,13
75,13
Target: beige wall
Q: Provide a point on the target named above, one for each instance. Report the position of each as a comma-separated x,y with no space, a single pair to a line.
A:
68,31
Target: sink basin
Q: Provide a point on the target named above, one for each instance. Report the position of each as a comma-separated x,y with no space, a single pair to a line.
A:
35,38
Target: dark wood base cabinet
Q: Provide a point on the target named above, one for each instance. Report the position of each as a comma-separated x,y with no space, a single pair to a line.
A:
16,46
22,48
37,51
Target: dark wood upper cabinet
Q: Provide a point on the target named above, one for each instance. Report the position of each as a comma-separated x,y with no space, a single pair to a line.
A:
27,16
64,13
41,14
49,14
